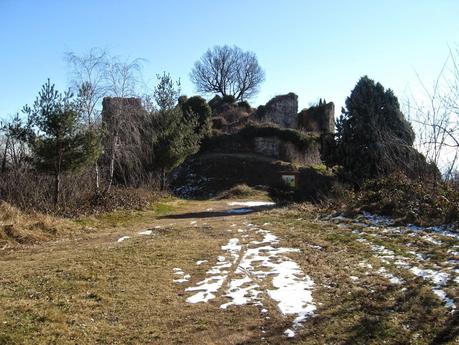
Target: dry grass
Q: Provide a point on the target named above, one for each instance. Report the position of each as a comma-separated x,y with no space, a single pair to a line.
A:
17,227
243,191
104,292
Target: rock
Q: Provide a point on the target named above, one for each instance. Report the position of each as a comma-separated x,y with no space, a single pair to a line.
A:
320,118
281,110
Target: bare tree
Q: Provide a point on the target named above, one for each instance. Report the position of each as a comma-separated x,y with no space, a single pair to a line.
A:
228,71
89,81
123,78
94,76
436,119
17,133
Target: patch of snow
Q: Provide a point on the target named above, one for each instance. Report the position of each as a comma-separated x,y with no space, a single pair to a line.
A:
121,239
392,279
241,291
445,299
251,203
365,264
315,246
436,277
432,240
294,295
261,263
207,288
354,278
419,256
184,277
377,220
289,333
146,232
383,251
200,262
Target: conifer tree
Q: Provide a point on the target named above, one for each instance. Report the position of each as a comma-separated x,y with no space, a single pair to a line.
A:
61,144
176,135
374,138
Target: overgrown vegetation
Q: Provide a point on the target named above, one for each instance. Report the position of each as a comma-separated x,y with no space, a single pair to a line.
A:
252,130
406,200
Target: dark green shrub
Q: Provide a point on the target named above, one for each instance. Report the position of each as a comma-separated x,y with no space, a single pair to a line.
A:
215,102
230,99
244,105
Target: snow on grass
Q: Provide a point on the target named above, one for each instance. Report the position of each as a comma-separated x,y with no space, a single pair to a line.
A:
242,291
435,276
145,232
289,333
121,239
200,262
432,240
207,288
445,299
258,268
251,203
183,277
389,276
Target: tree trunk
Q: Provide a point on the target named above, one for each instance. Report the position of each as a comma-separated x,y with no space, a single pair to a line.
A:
163,179
96,177
57,188
112,168
7,144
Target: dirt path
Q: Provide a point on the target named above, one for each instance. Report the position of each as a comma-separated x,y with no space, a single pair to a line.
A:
225,272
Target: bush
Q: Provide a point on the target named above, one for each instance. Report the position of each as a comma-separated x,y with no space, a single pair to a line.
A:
241,191
229,99
245,106
407,200
215,102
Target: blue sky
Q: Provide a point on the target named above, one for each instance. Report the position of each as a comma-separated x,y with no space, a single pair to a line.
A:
313,48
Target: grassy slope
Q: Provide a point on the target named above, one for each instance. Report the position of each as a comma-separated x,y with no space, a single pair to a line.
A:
99,291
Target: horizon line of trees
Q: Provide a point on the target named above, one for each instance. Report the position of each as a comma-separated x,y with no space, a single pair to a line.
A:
65,135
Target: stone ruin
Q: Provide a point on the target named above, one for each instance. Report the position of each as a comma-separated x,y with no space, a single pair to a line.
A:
283,111
116,109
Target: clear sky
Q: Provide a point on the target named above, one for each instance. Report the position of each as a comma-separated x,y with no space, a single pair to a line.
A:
313,48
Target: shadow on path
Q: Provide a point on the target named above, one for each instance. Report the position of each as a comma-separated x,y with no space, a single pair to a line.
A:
222,213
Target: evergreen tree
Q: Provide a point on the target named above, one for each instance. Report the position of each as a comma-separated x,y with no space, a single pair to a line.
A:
61,144
197,108
176,135
374,138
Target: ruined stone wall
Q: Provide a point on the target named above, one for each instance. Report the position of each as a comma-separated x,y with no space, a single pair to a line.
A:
281,110
319,119
272,147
